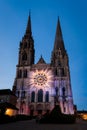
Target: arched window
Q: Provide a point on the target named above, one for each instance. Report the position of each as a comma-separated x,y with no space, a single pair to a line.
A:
33,96
23,94
17,94
24,56
62,71
40,95
25,74
55,71
47,96
63,91
25,45
56,91
19,75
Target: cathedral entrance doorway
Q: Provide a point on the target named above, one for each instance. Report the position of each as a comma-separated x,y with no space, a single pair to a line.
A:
31,112
39,112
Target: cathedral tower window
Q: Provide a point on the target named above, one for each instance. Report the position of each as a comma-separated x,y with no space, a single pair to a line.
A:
40,95
23,94
33,96
25,73
61,72
55,71
17,94
47,96
19,75
24,56
25,45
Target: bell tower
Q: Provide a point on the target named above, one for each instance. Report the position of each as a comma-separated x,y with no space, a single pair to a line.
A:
59,59
26,57
25,62
26,49
60,64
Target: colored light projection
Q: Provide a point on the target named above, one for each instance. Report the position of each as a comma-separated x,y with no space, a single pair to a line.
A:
41,78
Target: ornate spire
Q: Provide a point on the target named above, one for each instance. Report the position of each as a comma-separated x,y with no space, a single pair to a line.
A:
59,38
26,52
28,29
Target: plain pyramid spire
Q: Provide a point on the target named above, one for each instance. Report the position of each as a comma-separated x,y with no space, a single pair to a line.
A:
58,30
59,38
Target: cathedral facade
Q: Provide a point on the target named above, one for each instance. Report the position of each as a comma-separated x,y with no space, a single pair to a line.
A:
39,87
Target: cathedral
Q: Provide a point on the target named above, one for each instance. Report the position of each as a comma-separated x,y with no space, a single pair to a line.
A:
40,86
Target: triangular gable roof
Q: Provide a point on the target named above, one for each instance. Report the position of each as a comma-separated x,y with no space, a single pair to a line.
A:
41,61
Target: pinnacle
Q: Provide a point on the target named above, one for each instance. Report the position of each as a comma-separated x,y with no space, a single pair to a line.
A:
59,38
58,31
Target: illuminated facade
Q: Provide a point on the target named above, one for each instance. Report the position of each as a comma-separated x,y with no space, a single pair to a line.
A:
40,86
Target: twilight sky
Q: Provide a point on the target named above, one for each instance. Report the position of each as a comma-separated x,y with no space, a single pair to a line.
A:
44,15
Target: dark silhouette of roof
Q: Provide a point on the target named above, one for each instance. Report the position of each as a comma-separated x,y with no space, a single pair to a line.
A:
41,61
7,105
6,92
82,111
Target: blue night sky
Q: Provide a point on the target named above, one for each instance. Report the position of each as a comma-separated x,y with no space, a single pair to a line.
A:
44,15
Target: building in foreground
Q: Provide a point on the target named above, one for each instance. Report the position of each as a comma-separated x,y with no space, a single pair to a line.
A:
8,102
40,86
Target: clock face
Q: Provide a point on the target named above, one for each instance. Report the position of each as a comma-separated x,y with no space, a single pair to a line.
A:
41,78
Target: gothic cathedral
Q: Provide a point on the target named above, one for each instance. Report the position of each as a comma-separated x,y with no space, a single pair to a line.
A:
39,87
